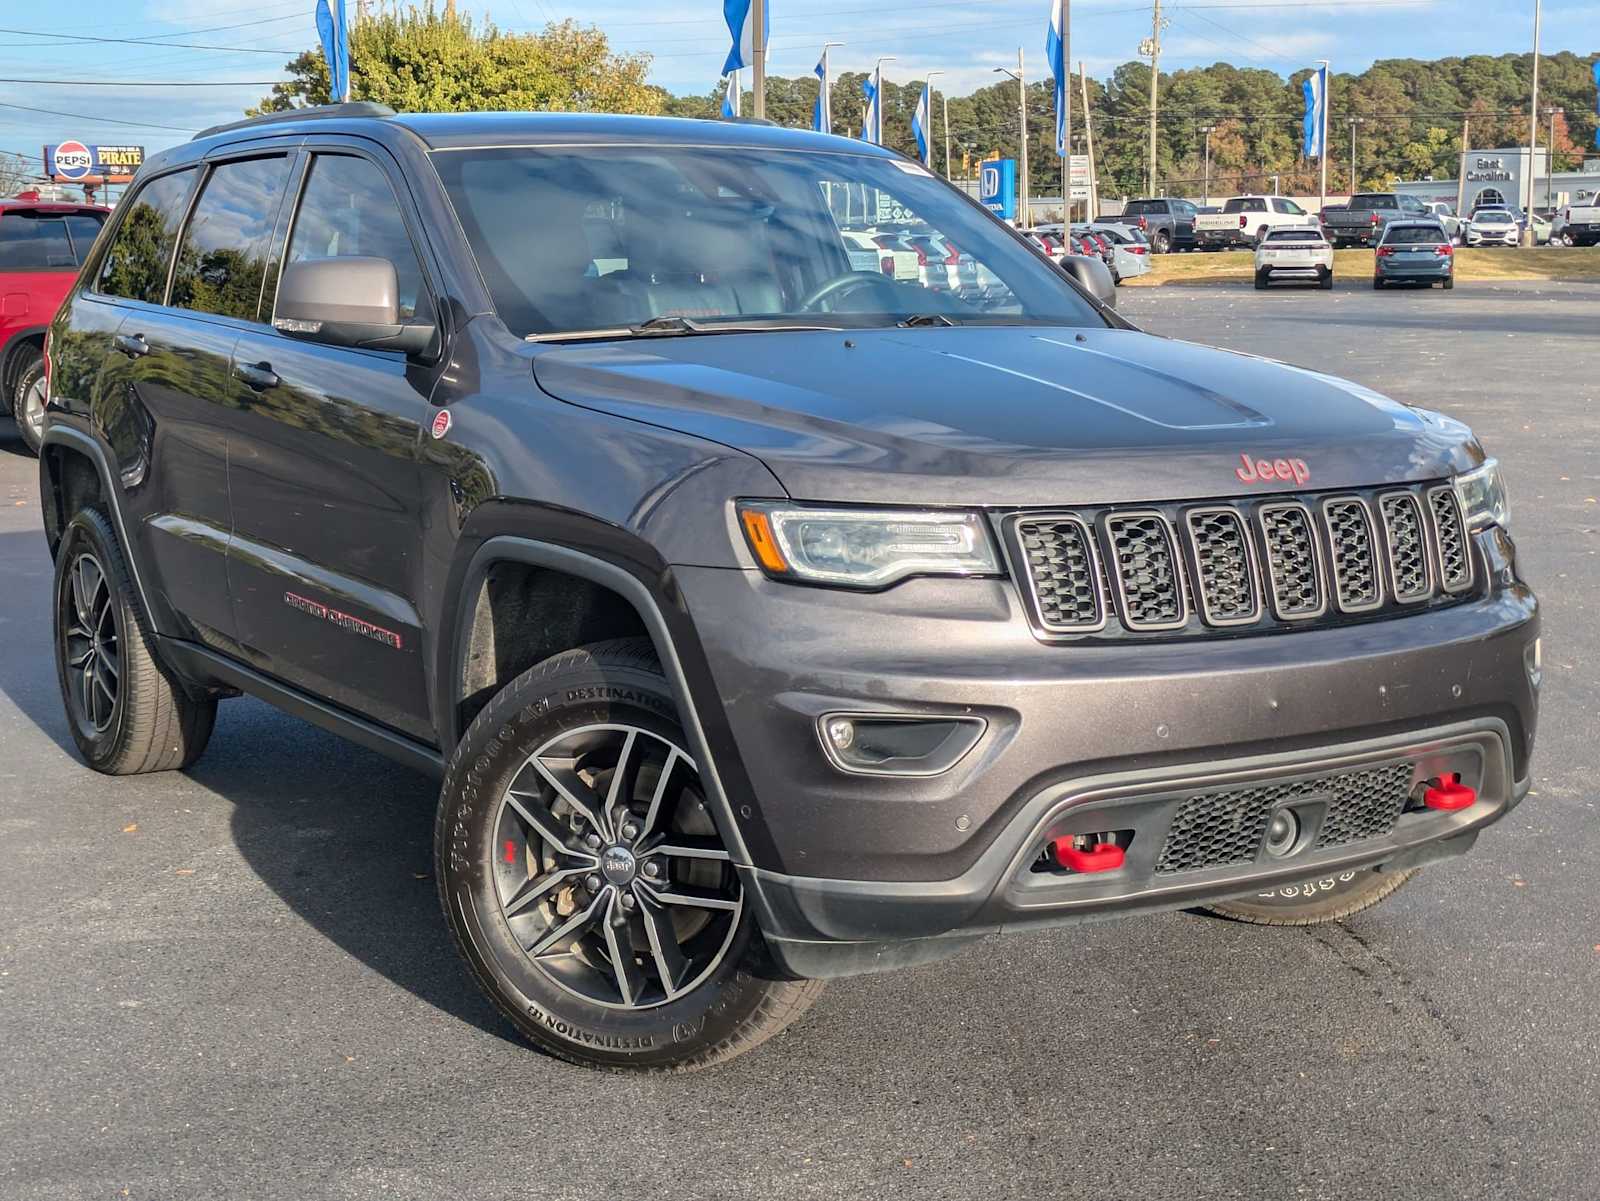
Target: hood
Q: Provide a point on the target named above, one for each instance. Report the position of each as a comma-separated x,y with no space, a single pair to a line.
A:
973,415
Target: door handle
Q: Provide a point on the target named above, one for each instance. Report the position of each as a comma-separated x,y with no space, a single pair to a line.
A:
259,376
132,345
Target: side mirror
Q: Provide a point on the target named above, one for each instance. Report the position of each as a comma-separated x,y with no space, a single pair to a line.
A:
352,301
1094,277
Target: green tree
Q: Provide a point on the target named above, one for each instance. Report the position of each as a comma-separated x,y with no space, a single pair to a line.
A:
422,60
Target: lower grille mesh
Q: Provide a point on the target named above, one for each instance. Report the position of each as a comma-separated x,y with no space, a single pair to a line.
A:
1218,829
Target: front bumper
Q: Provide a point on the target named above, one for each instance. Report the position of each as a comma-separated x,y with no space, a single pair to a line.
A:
856,871
1510,237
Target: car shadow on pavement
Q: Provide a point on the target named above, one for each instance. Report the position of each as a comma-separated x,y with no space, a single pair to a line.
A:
345,838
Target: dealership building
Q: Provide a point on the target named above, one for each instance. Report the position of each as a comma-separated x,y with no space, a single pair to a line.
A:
1496,177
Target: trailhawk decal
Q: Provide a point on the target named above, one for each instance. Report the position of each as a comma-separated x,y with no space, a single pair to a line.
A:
343,620
1254,471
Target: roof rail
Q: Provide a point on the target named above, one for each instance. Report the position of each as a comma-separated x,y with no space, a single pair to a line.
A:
314,112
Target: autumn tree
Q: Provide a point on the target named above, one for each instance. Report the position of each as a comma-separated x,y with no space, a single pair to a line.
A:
423,60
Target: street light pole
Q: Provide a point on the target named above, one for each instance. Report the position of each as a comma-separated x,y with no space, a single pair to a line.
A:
1208,130
1533,128
877,133
944,102
1022,120
1550,167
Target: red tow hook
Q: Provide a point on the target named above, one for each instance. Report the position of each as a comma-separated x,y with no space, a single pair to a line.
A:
1102,857
1450,793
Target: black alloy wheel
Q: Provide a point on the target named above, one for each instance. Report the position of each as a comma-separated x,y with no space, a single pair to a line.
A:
91,645
611,874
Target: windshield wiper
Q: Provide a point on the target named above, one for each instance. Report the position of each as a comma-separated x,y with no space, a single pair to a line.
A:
926,319
688,325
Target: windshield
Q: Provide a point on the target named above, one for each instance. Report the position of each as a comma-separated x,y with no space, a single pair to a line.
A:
1492,215
573,240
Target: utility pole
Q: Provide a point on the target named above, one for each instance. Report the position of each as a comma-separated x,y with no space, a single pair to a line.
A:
1461,172
758,51
1208,130
1533,130
1152,48
1354,121
1088,138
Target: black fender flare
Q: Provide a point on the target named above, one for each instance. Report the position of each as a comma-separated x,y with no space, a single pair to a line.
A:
9,360
609,575
58,433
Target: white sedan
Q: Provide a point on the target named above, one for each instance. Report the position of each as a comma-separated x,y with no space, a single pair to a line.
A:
1494,227
1297,254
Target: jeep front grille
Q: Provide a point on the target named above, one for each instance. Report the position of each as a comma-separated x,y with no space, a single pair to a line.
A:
1226,827
1239,566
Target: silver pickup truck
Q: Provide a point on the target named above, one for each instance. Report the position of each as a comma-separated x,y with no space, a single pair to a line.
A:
1361,222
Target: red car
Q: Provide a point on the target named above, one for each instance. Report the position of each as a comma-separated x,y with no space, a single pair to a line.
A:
41,245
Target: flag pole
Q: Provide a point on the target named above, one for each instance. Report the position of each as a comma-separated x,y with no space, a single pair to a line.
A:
1322,192
758,50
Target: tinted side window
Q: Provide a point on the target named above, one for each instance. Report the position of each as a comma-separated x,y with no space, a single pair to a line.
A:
136,265
223,254
83,228
348,209
31,241
1185,209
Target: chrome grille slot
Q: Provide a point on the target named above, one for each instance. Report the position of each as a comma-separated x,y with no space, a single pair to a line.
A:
1224,571
1062,572
1357,578
1410,573
1293,574
1144,571
1450,535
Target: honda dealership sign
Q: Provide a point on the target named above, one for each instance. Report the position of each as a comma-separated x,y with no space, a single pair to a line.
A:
997,186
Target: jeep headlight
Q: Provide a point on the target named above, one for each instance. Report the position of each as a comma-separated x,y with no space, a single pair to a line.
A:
1483,496
865,548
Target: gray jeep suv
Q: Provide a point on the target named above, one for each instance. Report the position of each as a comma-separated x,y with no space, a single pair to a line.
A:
769,613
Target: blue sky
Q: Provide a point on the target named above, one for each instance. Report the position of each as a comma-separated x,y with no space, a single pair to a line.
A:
966,39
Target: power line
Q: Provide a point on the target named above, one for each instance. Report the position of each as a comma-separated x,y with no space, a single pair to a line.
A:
72,38
51,112
147,83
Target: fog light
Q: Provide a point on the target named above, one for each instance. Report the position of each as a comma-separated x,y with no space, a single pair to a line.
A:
842,733
894,744
1283,831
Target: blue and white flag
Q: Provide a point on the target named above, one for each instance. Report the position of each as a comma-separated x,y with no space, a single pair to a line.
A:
730,95
1055,54
335,48
869,124
737,13
1597,99
1315,124
822,113
920,124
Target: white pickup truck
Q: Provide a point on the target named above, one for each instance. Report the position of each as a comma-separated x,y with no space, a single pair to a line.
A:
1245,220
1579,225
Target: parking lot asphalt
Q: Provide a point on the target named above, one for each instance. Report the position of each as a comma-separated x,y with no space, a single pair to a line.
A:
235,983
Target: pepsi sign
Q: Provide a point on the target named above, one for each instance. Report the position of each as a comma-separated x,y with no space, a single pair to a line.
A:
75,162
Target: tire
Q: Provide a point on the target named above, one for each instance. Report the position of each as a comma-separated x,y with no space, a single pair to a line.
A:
1162,242
507,887
1316,902
27,400
1326,283
1377,284
1449,282
1261,281
127,713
